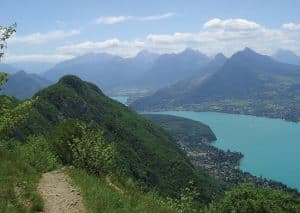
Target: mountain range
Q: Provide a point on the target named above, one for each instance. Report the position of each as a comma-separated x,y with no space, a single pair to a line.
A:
23,85
145,71
286,56
247,83
7,68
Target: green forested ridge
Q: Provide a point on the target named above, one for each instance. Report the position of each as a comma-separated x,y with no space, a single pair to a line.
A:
73,111
183,128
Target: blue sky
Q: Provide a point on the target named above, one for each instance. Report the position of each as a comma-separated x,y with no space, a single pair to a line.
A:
54,30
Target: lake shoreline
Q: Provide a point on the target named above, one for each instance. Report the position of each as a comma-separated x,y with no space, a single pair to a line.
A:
236,175
229,172
222,112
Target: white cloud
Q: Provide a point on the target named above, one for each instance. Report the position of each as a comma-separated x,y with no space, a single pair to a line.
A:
52,58
118,19
112,19
291,26
89,46
228,36
155,18
114,46
39,38
231,24
216,35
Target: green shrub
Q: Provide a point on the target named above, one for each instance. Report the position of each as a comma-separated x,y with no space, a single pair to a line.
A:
37,153
247,199
84,147
93,153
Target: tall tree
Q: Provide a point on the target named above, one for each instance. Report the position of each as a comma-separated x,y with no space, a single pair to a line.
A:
5,34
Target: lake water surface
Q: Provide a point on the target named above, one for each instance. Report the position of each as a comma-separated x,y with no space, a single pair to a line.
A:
271,147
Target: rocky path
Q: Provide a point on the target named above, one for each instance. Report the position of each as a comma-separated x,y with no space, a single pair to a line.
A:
58,194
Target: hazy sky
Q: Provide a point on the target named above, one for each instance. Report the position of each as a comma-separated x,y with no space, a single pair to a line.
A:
54,30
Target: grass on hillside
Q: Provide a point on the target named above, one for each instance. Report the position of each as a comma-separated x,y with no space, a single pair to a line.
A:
99,196
21,167
18,184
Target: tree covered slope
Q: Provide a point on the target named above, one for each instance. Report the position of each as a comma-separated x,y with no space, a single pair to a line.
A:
133,147
182,128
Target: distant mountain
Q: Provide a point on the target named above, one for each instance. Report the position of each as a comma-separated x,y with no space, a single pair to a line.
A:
33,67
287,56
146,56
105,70
247,83
7,68
23,85
170,68
183,87
145,71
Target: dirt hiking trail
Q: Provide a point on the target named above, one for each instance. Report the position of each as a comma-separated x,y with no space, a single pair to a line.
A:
58,194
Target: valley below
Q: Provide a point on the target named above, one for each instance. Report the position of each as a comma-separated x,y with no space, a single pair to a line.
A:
261,141
247,148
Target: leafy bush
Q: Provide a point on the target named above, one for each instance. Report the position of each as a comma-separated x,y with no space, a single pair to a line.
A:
37,153
84,147
10,118
246,199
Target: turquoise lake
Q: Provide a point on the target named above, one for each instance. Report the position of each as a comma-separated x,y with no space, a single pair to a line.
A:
122,99
271,147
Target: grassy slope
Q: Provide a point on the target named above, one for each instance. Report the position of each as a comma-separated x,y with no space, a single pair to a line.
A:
100,197
18,182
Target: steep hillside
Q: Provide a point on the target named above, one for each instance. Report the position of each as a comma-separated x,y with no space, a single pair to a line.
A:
23,85
134,146
248,83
